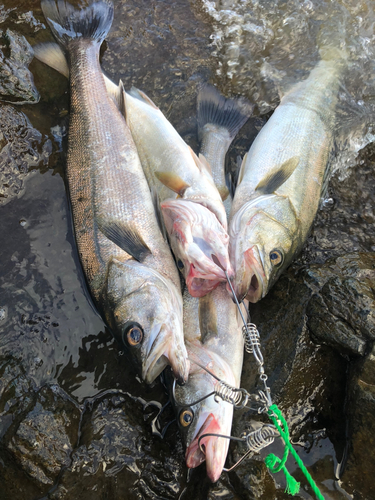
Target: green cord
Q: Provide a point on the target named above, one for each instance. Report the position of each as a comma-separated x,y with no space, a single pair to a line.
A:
275,464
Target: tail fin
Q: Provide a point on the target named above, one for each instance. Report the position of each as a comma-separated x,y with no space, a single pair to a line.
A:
216,109
68,23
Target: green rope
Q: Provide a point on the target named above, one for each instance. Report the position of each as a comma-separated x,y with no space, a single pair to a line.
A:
274,463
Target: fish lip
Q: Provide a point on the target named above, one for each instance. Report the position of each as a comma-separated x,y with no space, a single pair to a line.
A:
165,351
252,283
216,449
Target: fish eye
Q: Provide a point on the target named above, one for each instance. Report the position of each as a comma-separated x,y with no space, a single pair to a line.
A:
186,417
132,335
180,264
276,257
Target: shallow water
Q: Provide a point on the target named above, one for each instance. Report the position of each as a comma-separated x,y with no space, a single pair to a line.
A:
56,356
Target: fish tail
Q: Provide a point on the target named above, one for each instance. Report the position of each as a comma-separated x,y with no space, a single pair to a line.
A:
215,109
333,54
67,23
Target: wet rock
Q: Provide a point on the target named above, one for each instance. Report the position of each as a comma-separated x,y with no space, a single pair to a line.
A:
253,482
357,476
16,394
342,313
116,443
16,81
45,438
21,148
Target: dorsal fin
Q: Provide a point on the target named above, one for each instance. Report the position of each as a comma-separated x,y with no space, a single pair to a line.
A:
138,94
127,238
122,99
158,213
173,182
276,178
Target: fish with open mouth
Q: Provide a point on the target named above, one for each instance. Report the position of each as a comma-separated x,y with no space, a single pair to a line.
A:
282,178
128,265
191,205
213,338
212,324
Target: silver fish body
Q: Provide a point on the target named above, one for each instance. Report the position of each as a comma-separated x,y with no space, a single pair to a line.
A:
128,265
280,181
191,205
172,169
213,337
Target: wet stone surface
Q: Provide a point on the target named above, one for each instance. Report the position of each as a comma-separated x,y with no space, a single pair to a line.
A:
16,81
22,147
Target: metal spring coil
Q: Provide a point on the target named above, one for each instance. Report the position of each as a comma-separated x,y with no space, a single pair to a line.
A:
260,438
229,394
251,337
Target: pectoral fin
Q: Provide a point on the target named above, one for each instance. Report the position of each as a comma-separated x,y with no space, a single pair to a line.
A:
207,314
173,182
241,168
126,238
278,176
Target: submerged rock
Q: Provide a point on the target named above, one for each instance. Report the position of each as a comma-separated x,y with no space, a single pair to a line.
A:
342,313
21,148
358,475
46,436
16,81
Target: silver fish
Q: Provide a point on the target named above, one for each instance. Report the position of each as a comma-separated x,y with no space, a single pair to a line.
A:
195,221
281,179
128,266
213,337
212,324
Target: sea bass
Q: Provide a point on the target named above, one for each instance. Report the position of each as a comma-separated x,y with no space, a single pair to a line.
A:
281,178
213,337
191,205
128,265
212,324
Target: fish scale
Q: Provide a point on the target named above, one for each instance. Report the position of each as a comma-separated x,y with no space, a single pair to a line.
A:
281,179
127,263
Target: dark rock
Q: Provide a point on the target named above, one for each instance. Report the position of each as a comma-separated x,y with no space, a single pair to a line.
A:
45,438
16,81
341,314
22,147
358,475
116,443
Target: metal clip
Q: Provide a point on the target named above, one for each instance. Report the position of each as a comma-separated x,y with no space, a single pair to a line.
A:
255,440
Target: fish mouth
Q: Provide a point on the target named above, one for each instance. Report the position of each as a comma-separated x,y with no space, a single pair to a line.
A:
163,350
200,241
250,281
215,449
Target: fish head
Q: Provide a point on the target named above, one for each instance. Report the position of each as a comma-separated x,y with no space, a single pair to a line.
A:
199,243
198,421
147,318
262,245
